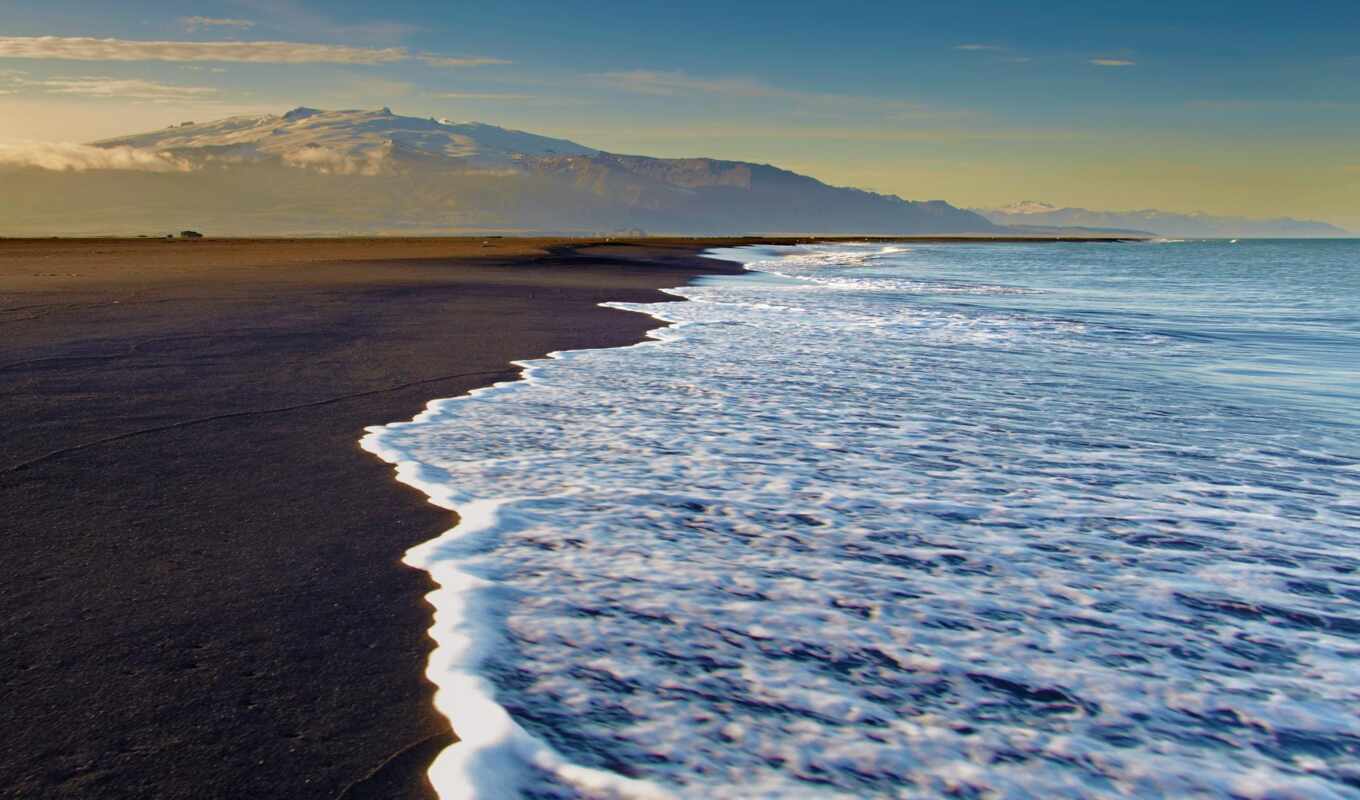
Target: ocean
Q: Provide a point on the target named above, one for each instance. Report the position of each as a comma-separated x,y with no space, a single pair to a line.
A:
1023,520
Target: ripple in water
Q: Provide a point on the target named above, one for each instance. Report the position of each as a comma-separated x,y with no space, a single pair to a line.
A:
860,531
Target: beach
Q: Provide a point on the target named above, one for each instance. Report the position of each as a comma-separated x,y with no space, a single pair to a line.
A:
203,588
406,403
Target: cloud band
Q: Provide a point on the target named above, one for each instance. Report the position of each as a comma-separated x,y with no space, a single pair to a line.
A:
82,157
79,48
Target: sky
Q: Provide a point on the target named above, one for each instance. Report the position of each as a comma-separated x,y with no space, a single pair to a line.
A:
1245,108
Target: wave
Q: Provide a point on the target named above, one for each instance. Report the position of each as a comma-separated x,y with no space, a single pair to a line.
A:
495,756
827,538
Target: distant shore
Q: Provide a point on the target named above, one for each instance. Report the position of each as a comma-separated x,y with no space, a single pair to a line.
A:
203,589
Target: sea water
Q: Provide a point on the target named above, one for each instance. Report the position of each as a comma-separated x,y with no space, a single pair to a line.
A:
1019,520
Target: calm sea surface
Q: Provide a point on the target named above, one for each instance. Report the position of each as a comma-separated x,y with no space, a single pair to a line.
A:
1044,520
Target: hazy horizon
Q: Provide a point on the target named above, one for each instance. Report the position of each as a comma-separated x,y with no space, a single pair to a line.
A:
1243,110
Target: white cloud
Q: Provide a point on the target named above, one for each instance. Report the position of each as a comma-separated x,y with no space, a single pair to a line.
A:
974,46
89,49
10,80
333,162
1113,62
132,88
83,157
460,61
81,48
192,24
14,81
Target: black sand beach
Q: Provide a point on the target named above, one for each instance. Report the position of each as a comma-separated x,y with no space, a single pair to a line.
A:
202,589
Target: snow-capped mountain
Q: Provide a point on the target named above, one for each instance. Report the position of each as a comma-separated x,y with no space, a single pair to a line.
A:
356,142
313,171
1032,214
1028,207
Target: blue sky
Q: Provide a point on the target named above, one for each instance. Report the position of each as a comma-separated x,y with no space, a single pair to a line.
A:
1230,107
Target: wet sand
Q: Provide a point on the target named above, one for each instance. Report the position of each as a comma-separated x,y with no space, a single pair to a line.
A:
202,589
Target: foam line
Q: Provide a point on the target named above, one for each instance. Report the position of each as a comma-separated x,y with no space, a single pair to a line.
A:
490,758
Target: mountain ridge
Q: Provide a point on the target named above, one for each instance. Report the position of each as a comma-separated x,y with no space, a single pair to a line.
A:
1035,214
356,171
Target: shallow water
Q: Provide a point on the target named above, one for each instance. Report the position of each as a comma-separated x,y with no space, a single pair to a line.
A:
1029,520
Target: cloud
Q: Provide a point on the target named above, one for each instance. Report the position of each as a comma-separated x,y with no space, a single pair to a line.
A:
193,24
83,157
460,61
89,49
132,88
670,83
10,79
81,48
334,162
1113,62
997,51
484,96
13,81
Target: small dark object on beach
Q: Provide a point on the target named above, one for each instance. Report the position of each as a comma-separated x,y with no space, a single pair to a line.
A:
190,235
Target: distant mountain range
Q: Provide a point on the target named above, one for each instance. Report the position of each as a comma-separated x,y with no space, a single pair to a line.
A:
1038,217
312,171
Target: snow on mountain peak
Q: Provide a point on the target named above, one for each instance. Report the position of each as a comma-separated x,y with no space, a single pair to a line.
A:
1028,207
351,142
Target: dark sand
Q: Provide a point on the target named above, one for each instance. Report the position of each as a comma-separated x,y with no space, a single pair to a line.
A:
202,594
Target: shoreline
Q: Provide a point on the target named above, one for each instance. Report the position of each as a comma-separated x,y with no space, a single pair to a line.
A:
459,626
185,414
189,425
463,693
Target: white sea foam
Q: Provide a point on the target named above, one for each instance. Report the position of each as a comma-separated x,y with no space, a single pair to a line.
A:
817,540
494,755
